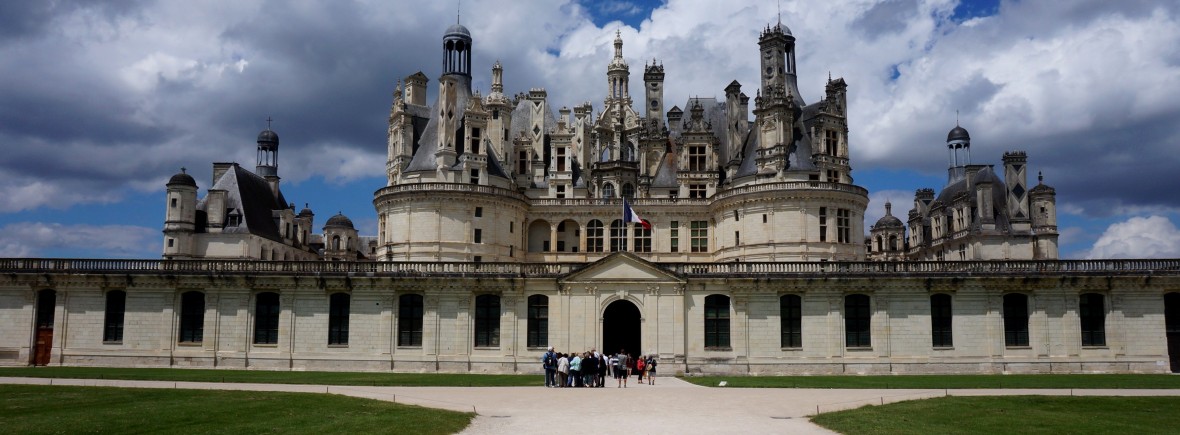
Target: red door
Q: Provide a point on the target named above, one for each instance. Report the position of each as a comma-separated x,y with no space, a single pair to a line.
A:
44,346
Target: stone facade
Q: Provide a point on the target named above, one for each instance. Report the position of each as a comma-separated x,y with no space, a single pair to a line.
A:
671,301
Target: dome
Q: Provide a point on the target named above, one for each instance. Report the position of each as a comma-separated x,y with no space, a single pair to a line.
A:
888,221
958,133
306,211
458,30
783,28
340,220
268,136
182,178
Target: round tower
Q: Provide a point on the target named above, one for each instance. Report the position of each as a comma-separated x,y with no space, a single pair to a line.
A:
1043,201
887,237
457,51
958,146
180,216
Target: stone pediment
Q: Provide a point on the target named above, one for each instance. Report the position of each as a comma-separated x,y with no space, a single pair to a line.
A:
622,267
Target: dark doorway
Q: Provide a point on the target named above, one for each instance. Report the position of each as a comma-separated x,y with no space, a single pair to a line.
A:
43,346
621,328
1172,328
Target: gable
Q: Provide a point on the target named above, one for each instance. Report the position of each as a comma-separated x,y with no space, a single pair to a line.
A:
622,267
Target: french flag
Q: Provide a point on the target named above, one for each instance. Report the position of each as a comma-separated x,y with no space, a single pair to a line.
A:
630,216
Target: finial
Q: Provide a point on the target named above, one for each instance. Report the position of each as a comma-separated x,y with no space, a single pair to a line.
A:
268,121
458,9
306,205
1040,177
956,117
182,169
780,12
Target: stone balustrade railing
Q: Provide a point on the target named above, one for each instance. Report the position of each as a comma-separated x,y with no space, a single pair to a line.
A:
459,269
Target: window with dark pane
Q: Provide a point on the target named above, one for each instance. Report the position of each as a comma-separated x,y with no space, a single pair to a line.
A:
538,321
940,320
112,325
192,317
266,318
790,309
1092,313
1015,319
857,321
338,309
409,320
487,321
716,322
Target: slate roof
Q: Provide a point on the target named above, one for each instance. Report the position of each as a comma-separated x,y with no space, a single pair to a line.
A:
251,196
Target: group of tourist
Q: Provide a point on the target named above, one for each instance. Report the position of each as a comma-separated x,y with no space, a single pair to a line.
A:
590,369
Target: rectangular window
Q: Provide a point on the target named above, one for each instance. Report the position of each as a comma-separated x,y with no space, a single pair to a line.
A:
831,142
642,238
478,235
674,237
522,163
763,217
487,321
699,236
409,320
1015,320
791,319
538,321
696,191
940,320
477,259
511,226
479,212
192,317
843,225
737,238
717,322
823,224
857,321
173,202
1092,313
171,242
561,159
560,192
112,326
266,318
475,176
696,158
338,308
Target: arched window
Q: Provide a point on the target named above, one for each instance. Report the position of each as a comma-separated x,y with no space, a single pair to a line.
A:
409,320
608,190
487,321
266,318
857,321
192,317
893,243
940,320
338,310
1015,319
628,191
336,243
112,325
628,152
790,308
642,238
594,234
538,321
618,236
717,322
1092,313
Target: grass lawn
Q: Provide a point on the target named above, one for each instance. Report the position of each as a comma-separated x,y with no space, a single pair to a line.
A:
1011,414
34,409
943,381
276,377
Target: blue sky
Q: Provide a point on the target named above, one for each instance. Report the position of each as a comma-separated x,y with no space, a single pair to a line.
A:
101,102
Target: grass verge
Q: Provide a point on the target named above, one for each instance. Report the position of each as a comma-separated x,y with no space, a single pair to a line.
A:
1011,414
34,409
277,377
1092,381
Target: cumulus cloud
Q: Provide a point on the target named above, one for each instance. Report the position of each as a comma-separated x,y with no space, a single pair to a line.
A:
1138,237
34,239
107,100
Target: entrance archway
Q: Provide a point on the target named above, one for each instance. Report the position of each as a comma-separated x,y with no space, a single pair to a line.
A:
621,328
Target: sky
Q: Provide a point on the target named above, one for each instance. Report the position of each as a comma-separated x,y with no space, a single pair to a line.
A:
101,102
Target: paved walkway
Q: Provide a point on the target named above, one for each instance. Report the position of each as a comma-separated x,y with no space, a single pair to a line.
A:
670,406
